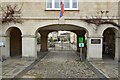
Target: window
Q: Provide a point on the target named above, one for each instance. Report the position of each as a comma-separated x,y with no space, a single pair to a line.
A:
55,4
74,4
49,3
67,4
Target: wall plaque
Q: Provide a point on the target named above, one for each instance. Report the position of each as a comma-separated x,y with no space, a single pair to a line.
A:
95,41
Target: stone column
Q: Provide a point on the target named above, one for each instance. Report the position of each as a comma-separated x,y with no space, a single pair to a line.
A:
5,50
94,51
44,39
29,46
117,49
78,49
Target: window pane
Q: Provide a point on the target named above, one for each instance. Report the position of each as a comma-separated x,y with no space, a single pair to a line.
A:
57,3
67,3
74,4
49,3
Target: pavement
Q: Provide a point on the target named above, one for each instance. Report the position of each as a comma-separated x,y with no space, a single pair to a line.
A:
107,67
62,64
11,67
58,64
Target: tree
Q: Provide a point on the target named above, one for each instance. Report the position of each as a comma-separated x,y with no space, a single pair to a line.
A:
11,14
98,20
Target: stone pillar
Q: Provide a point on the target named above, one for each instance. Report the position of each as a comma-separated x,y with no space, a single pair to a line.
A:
29,46
44,39
94,51
78,49
5,50
117,49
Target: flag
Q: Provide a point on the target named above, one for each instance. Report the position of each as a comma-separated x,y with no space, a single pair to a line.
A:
62,9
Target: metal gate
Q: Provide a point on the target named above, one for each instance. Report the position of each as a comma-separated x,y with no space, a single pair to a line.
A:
61,46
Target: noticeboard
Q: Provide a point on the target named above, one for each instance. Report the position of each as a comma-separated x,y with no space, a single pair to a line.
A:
95,41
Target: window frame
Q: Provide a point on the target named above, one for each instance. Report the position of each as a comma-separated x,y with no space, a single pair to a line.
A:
70,8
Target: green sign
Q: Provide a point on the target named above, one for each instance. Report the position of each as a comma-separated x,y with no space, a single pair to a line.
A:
80,39
81,44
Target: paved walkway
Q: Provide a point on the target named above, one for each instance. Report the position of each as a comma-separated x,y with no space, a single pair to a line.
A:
13,66
108,67
60,64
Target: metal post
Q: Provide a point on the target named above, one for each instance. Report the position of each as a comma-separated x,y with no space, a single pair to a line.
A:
81,53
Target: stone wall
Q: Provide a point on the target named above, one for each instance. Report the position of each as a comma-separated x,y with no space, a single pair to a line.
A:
38,9
36,16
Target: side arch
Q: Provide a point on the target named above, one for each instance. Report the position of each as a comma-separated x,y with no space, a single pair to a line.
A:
103,27
14,41
111,42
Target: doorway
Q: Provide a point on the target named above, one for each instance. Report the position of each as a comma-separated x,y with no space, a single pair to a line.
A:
15,43
109,44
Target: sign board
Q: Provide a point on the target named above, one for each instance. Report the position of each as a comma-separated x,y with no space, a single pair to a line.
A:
81,44
95,41
1,44
80,39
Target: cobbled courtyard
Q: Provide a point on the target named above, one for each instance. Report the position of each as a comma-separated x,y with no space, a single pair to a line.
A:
60,65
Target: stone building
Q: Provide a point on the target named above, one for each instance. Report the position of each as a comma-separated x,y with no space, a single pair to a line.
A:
42,16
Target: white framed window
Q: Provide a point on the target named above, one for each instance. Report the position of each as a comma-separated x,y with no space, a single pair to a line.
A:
68,4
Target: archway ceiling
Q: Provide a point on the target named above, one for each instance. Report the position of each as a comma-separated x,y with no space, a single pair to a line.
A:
61,27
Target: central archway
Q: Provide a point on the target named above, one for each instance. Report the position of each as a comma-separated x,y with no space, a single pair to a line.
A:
62,41
44,31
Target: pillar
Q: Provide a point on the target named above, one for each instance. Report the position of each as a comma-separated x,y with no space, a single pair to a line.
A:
29,46
5,50
44,39
117,49
78,49
94,46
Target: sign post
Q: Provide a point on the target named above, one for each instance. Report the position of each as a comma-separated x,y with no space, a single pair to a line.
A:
81,45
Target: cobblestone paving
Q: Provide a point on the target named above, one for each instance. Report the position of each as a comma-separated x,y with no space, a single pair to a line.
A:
13,66
108,67
64,64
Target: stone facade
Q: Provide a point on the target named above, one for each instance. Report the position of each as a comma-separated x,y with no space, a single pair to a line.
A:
37,19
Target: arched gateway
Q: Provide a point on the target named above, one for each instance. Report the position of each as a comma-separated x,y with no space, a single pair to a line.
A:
44,31
27,39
